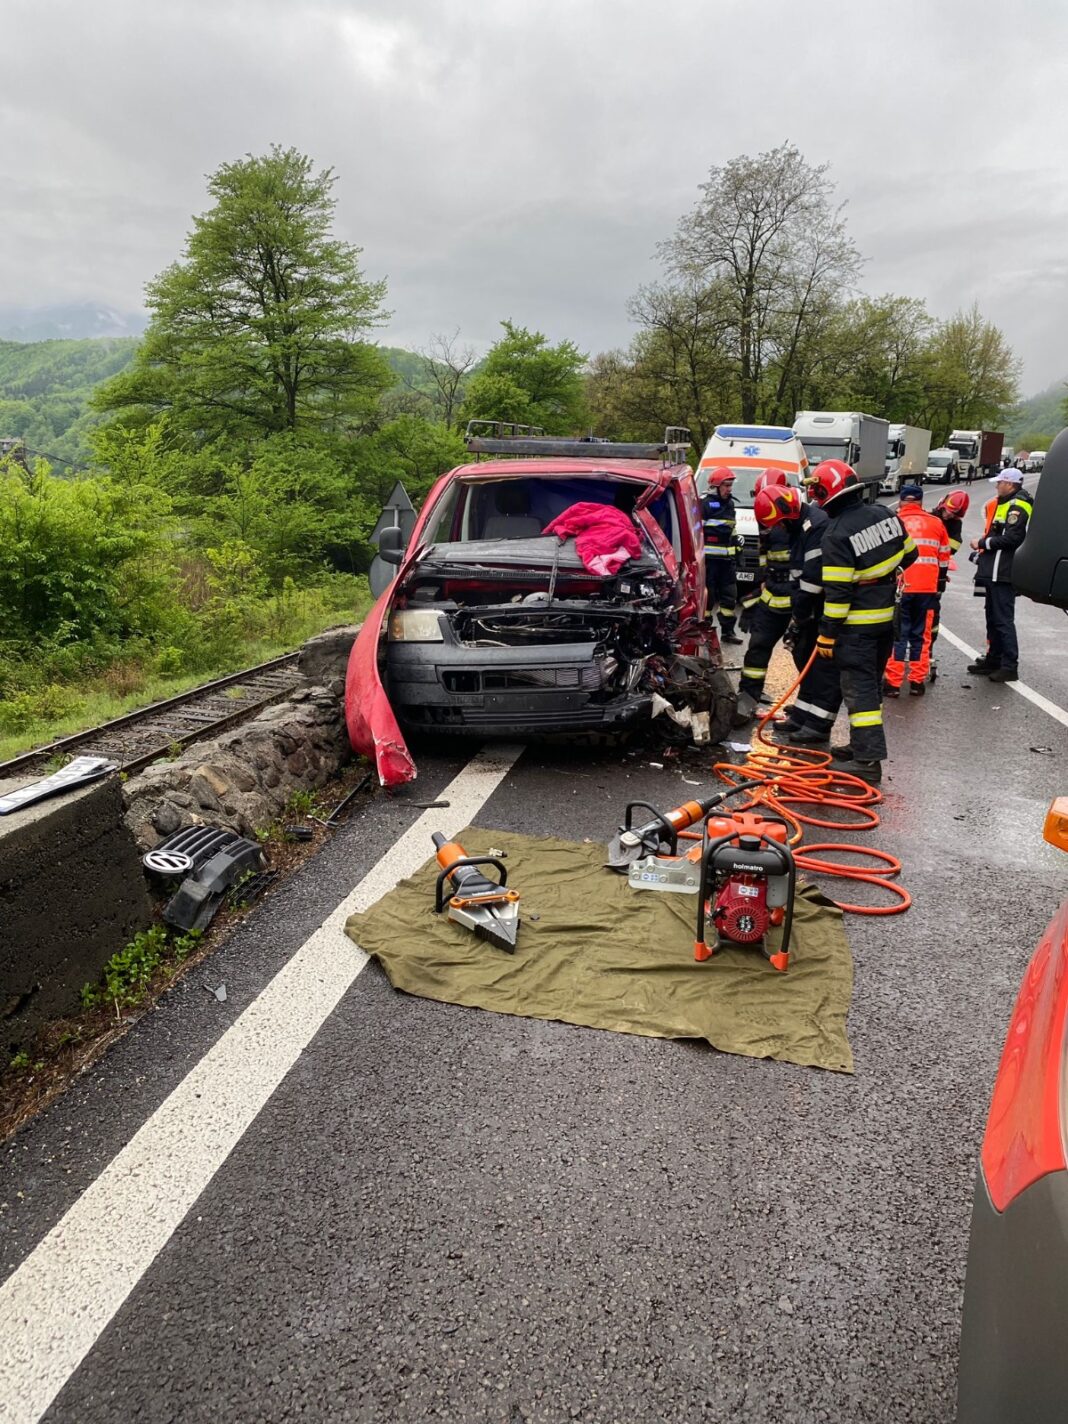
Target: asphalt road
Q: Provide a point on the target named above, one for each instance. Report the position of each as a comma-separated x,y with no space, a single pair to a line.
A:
441,1213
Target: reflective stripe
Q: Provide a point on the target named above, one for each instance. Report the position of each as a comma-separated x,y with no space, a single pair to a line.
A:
837,573
870,615
909,544
933,543
866,719
924,559
775,600
954,545
814,711
813,553
810,587
778,556
836,610
718,549
878,571
756,672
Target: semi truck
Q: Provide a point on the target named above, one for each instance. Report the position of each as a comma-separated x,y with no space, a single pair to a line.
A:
978,452
907,449
860,440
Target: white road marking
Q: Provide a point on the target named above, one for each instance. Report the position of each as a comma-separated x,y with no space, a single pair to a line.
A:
1057,713
55,1306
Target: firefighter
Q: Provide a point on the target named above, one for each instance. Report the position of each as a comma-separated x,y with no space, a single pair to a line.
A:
919,585
863,547
766,615
950,509
1006,531
808,713
721,552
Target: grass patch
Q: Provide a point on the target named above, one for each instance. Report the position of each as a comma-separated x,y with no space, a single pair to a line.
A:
131,684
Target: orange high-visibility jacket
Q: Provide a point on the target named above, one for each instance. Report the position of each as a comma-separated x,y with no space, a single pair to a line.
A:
932,545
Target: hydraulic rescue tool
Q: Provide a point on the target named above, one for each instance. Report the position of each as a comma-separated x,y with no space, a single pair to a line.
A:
649,854
747,883
486,907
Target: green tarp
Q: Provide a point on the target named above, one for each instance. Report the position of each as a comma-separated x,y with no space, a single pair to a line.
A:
592,951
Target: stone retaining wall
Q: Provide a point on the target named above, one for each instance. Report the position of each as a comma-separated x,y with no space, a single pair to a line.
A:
243,779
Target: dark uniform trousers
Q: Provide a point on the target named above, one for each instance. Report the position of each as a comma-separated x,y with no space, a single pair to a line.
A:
721,581
1004,650
766,628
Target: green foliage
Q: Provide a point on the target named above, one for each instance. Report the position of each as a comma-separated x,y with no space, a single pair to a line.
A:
525,379
79,559
254,331
45,387
1038,419
129,972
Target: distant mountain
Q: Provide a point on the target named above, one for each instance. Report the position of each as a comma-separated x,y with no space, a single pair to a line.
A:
45,388
70,322
1039,418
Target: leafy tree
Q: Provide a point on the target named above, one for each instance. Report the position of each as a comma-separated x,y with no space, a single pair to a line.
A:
970,375
254,332
766,234
524,378
445,367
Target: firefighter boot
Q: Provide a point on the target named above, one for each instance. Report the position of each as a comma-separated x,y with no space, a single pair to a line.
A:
1005,674
982,667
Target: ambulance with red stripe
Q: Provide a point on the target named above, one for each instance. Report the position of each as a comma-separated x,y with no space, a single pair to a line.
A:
745,450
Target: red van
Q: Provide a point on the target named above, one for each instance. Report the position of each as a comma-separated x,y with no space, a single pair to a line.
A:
493,628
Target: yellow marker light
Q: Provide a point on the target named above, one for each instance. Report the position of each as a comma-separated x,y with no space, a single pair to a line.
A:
1056,828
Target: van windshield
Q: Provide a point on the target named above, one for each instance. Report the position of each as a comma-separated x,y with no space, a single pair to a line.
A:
939,462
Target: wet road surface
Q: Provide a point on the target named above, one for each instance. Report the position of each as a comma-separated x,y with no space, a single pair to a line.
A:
443,1213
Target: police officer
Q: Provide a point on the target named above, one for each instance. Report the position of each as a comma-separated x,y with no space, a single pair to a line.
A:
721,552
863,547
1005,533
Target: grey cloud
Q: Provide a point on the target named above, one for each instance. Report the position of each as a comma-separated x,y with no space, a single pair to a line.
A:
505,159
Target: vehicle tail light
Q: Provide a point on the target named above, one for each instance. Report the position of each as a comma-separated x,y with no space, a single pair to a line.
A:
1026,1129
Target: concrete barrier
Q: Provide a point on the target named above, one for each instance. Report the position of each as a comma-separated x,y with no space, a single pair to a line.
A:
72,893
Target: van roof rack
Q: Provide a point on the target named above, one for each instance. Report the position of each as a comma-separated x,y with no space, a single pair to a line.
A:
504,437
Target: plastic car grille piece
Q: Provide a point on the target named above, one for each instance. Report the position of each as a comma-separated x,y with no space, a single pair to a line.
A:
220,858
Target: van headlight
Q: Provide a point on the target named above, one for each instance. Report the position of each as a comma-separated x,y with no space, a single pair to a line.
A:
415,625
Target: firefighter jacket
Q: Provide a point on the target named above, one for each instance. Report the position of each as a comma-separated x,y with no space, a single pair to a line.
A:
927,572
863,548
774,546
806,570
719,519
1006,531
954,531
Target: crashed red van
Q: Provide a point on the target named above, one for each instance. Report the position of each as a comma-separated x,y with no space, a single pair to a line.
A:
493,627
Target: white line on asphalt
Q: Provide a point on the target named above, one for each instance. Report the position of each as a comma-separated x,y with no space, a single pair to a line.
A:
1058,713
55,1306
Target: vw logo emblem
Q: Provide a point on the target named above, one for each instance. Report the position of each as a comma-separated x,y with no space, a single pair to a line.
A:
167,862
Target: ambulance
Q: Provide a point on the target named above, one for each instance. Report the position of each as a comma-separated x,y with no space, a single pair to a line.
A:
745,450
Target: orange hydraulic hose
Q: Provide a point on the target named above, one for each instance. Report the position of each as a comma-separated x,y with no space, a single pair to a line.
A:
797,777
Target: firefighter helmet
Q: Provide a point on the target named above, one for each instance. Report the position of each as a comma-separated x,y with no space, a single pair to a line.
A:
830,479
953,505
768,477
776,504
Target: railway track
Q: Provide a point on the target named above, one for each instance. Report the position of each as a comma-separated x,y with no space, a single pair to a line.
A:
155,731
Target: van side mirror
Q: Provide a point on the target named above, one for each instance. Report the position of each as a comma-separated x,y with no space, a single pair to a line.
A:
391,545
1040,564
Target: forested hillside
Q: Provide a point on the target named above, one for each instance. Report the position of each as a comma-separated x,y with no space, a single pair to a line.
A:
45,388
1038,419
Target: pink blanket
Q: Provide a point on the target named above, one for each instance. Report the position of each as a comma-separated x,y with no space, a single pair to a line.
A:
604,536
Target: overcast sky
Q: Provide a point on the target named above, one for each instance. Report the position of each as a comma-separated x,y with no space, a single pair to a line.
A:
504,158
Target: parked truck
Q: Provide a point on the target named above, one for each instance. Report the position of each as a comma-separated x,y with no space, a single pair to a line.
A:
906,457
978,452
859,440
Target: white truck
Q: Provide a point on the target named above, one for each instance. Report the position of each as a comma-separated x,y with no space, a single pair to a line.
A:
745,450
860,440
978,452
907,449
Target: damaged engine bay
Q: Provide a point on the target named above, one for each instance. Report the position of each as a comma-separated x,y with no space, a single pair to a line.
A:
516,637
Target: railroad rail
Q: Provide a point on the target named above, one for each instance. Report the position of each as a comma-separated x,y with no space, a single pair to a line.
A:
158,730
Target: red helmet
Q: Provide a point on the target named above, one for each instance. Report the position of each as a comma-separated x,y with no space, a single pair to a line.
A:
775,504
953,505
768,477
830,479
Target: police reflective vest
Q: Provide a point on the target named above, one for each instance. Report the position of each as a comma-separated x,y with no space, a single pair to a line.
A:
863,548
1006,531
719,518
926,574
